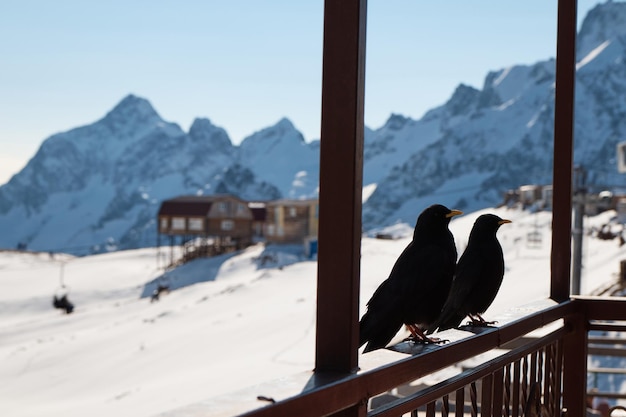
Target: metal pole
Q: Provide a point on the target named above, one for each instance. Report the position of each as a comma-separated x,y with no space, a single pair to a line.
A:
61,276
579,211
577,246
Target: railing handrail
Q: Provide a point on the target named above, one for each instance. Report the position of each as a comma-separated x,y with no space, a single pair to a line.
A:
326,394
448,386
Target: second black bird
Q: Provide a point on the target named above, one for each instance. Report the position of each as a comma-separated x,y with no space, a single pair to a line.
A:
418,283
478,276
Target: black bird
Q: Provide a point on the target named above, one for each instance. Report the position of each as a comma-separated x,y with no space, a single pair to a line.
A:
418,284
478,276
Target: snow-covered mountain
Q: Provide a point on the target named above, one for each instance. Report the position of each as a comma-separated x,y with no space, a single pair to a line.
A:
102,183
279,150
480,143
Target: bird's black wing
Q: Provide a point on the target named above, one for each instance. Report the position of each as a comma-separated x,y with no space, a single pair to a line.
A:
469,270
383,318
431,271
490,280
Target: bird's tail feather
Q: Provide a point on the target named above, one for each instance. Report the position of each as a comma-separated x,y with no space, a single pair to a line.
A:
377,331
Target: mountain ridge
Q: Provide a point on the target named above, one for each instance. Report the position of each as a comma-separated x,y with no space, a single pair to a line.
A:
102,183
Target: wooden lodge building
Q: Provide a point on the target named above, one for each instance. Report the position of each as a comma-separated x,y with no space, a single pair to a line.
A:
214,224
222,216
291,221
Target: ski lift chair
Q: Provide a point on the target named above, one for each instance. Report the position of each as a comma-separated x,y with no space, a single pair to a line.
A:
61,301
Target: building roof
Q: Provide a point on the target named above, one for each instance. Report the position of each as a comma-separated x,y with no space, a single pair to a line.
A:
191,205
185,208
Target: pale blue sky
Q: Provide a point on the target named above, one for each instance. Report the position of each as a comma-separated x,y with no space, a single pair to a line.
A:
244,64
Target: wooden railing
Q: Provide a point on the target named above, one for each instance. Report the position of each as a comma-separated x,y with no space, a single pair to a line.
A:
526,377
525,369
606,346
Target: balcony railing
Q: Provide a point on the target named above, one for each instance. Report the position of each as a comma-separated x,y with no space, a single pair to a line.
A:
525,373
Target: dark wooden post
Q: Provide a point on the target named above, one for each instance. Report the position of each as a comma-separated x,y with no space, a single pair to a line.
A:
575,365
563,151
575,344
341,182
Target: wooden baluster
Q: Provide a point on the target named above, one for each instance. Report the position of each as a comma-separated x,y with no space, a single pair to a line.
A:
498,392
445,406
515,408
548,388
540,365
507,391
487,396
533,369
459,402
473,399
430,409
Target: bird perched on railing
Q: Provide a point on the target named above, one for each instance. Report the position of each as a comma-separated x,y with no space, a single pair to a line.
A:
478,276
418,284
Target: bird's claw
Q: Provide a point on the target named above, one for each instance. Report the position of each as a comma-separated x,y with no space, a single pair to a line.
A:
425,341
481,323
434,340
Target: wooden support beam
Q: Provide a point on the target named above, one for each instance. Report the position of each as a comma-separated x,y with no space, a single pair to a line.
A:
341,182
575,366
563,150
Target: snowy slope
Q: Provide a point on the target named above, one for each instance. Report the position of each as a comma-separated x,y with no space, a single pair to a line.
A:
232,322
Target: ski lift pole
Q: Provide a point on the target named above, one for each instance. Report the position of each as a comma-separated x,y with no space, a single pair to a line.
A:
61,274
577,247
577,233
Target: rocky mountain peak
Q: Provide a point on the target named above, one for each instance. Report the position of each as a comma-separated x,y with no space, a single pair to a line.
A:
281,131
396,121
604,22
463,100
213,137
130,113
